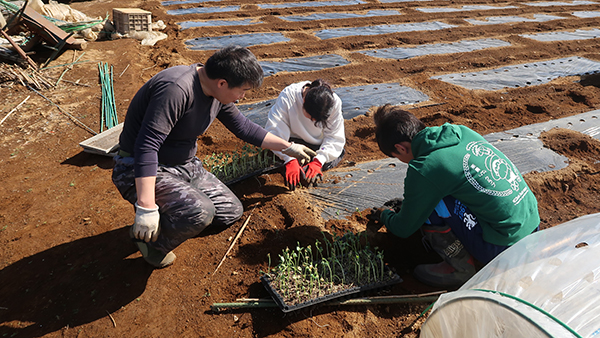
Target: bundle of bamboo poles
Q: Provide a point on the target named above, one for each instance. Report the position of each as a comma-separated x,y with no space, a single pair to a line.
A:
108,115
28,77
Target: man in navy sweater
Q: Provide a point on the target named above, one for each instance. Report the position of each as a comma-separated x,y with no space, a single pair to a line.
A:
156,169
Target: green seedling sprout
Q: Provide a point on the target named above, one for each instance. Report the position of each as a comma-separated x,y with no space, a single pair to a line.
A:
304,274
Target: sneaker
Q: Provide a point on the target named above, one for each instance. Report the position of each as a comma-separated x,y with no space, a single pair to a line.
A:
154,257
443,275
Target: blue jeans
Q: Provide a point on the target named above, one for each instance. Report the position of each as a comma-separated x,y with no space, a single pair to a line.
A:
464,224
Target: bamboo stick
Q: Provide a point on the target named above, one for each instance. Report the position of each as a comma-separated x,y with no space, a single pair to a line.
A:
81,124
15,108
269,303
234,240
70,66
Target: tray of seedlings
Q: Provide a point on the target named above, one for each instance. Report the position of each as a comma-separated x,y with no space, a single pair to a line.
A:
343,268
234,167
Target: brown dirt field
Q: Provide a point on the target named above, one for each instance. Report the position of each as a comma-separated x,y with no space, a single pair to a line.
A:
68,268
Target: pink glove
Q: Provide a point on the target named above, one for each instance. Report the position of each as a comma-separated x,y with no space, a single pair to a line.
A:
292,174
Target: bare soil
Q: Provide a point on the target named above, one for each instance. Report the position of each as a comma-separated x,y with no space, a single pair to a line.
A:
68,268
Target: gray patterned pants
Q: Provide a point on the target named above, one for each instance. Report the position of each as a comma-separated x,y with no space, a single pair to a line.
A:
189,199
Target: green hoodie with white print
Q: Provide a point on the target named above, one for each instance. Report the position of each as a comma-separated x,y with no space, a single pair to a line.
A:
453,160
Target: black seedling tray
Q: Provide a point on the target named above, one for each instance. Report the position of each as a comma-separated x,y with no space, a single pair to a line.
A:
254,173
348,293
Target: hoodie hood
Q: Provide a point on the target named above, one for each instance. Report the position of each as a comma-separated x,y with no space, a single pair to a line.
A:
433,138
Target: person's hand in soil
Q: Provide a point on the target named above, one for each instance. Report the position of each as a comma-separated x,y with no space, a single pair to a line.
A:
312,172
376,214
292,174
300,152
394,204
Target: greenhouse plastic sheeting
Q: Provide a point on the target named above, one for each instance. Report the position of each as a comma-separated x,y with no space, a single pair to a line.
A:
243,40
303,64
465,8
528,154
215,23
586,123
436,48
546,285
355,100
586,14
523,75
358,100
494,20
257,112
357,188
183,2
382,29
203,10
559,3
327,16
524,148
580,34
392,1
312,4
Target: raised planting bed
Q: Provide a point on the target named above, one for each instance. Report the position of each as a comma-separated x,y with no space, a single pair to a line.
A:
341,268
233,167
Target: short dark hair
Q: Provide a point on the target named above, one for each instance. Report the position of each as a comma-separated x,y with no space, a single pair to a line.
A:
319,101
394,125
237,65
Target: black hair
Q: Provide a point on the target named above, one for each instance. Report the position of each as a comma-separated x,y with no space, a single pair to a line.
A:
237,65
394,125
319,101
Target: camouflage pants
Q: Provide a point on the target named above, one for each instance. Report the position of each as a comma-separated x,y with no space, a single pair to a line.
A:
189,199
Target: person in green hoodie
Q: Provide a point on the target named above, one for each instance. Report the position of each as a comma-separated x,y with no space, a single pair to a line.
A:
467,197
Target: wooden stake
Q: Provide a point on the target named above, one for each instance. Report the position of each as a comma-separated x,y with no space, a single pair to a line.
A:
234,240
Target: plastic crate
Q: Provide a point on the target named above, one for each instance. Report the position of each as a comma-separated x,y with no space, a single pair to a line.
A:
131,19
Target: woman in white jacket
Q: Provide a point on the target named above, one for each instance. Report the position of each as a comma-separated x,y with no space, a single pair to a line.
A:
309,113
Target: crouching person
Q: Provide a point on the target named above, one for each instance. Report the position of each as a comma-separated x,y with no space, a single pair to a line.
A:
156,169
467,197
309,113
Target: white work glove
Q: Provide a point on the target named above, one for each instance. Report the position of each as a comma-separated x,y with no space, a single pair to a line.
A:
145,226
299,151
